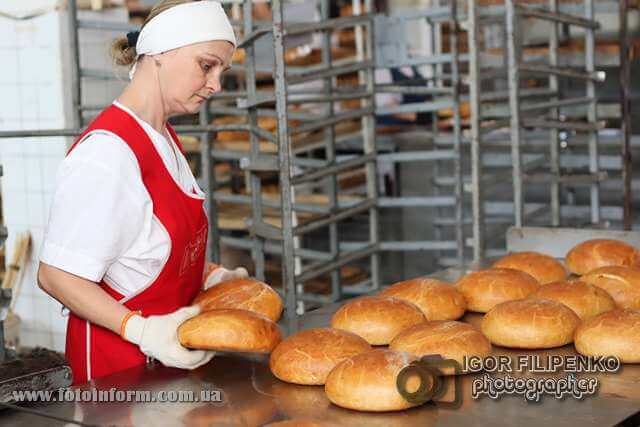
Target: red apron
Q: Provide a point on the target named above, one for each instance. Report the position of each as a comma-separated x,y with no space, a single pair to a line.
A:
93,351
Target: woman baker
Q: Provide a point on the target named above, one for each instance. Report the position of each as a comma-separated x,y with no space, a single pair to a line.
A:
124,249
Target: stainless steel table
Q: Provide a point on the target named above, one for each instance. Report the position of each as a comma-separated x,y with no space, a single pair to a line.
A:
252,396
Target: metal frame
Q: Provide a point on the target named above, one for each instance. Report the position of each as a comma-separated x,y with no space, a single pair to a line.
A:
521,118
625,104
301,263
443,151
553,71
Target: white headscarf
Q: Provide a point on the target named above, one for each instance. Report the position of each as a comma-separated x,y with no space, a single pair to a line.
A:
182,25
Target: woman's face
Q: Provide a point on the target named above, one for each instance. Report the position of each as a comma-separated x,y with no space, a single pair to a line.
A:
190,74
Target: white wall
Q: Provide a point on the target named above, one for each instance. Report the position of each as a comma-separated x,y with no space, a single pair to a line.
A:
31,85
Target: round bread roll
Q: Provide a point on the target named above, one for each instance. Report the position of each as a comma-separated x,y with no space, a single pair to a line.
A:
450,339
543,268
614,333
367,382
485,289
622,283
300,422
377,319
243,294
230,330
308,356
299,401
530,324
584,299
436,299
597,253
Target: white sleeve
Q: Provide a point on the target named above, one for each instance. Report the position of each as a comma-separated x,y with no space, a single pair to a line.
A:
97,210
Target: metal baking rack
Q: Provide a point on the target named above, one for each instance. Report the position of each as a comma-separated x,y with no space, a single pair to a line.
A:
438,151
517,131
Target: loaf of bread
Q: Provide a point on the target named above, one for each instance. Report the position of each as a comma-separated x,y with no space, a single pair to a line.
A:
304,402
377,319
543,268
485,289
300,422
597,253
622,283
530,324
230,330
614,333
244,294
308,356
447,338
584,299
436,299
367,382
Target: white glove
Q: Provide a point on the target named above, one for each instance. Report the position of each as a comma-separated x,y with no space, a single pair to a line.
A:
157,337
221,274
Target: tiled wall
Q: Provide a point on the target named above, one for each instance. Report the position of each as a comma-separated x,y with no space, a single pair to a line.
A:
34,94
27,187
31,85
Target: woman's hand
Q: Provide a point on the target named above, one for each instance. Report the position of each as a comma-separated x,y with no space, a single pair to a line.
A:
157,337
217,274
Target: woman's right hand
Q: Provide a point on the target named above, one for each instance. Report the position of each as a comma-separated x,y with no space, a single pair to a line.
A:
157,337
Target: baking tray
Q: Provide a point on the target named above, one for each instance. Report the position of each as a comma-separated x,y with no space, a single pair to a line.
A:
252,396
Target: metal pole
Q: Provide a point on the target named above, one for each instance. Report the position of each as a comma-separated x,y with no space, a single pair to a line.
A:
369,140
590,61
284,157
330,154
436,71
255,185
207,166
76,90
625,103
554,140
476,156
513,46
457,134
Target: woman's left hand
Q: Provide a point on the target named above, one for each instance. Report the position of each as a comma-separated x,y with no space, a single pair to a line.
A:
221,274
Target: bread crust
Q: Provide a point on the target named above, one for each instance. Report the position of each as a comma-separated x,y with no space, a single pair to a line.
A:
437,300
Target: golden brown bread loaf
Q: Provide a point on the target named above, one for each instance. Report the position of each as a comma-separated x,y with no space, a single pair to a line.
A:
584,299
597,253
377,319
622,283
300,422
230,330
300,401
244,294
436,299
308,356
450,339
367,382
530,324
543,268
614,333
485,289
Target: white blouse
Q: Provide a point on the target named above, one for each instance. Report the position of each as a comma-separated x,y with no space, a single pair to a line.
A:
101,223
